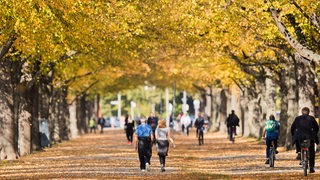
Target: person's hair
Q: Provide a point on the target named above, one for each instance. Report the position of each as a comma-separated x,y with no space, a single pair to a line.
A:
162,123
232,111
143,119
305,110
271,117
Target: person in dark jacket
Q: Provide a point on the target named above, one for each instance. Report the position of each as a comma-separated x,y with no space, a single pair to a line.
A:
232,121
306,127
153,122
129,128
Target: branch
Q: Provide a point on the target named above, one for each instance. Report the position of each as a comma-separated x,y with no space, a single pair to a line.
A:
303,51
83,75
84,91
313,20
69,55
243,66
5,48
198,87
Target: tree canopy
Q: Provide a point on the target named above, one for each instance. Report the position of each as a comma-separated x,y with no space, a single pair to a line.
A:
114,45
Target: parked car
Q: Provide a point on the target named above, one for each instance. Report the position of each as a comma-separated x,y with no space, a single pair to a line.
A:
107,122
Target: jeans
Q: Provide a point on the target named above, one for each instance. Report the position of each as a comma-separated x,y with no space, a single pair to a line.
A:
268,144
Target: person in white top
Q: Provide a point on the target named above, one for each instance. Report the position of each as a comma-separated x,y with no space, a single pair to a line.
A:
185,123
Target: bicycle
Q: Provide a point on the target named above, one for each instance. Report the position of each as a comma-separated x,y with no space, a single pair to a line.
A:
305,144
232,133
272,155
200,136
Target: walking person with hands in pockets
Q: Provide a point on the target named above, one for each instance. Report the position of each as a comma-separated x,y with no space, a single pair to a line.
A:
162,138
143,144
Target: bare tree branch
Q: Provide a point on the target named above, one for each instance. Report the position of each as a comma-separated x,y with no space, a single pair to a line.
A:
5,48
313,20
302,50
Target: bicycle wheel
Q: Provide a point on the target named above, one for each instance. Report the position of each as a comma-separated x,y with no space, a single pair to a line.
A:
304,160
271,157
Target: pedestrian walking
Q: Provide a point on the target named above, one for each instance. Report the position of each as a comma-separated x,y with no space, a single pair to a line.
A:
129,128
162,137
306,127
185,123
199,123
143,144
153,122
92,125
101,122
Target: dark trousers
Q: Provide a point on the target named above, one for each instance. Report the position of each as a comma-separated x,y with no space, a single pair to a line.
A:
230,130
185,127
93,128
312,153
129,133
101,128
144,151
162,159
268,144
298,148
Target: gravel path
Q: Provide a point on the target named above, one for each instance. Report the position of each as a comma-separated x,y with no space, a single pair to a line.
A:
108,156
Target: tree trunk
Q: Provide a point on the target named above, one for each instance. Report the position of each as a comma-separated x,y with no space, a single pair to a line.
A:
306,78
251,104
216,103
74,131
8,125
223,111
63,115
35,134
81,113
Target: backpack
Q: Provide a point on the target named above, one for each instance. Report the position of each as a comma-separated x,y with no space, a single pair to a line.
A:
270,126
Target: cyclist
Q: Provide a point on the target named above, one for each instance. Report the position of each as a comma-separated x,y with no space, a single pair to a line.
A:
306,127
232,121
199,123
271,133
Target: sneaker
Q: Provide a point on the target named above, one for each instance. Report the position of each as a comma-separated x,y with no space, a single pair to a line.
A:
148,166
312,170
142,170
163,169
298,156
267,161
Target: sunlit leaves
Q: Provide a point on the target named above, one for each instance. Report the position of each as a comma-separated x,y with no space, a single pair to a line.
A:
123,43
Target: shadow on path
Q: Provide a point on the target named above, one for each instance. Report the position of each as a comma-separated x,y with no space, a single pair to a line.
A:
108,156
